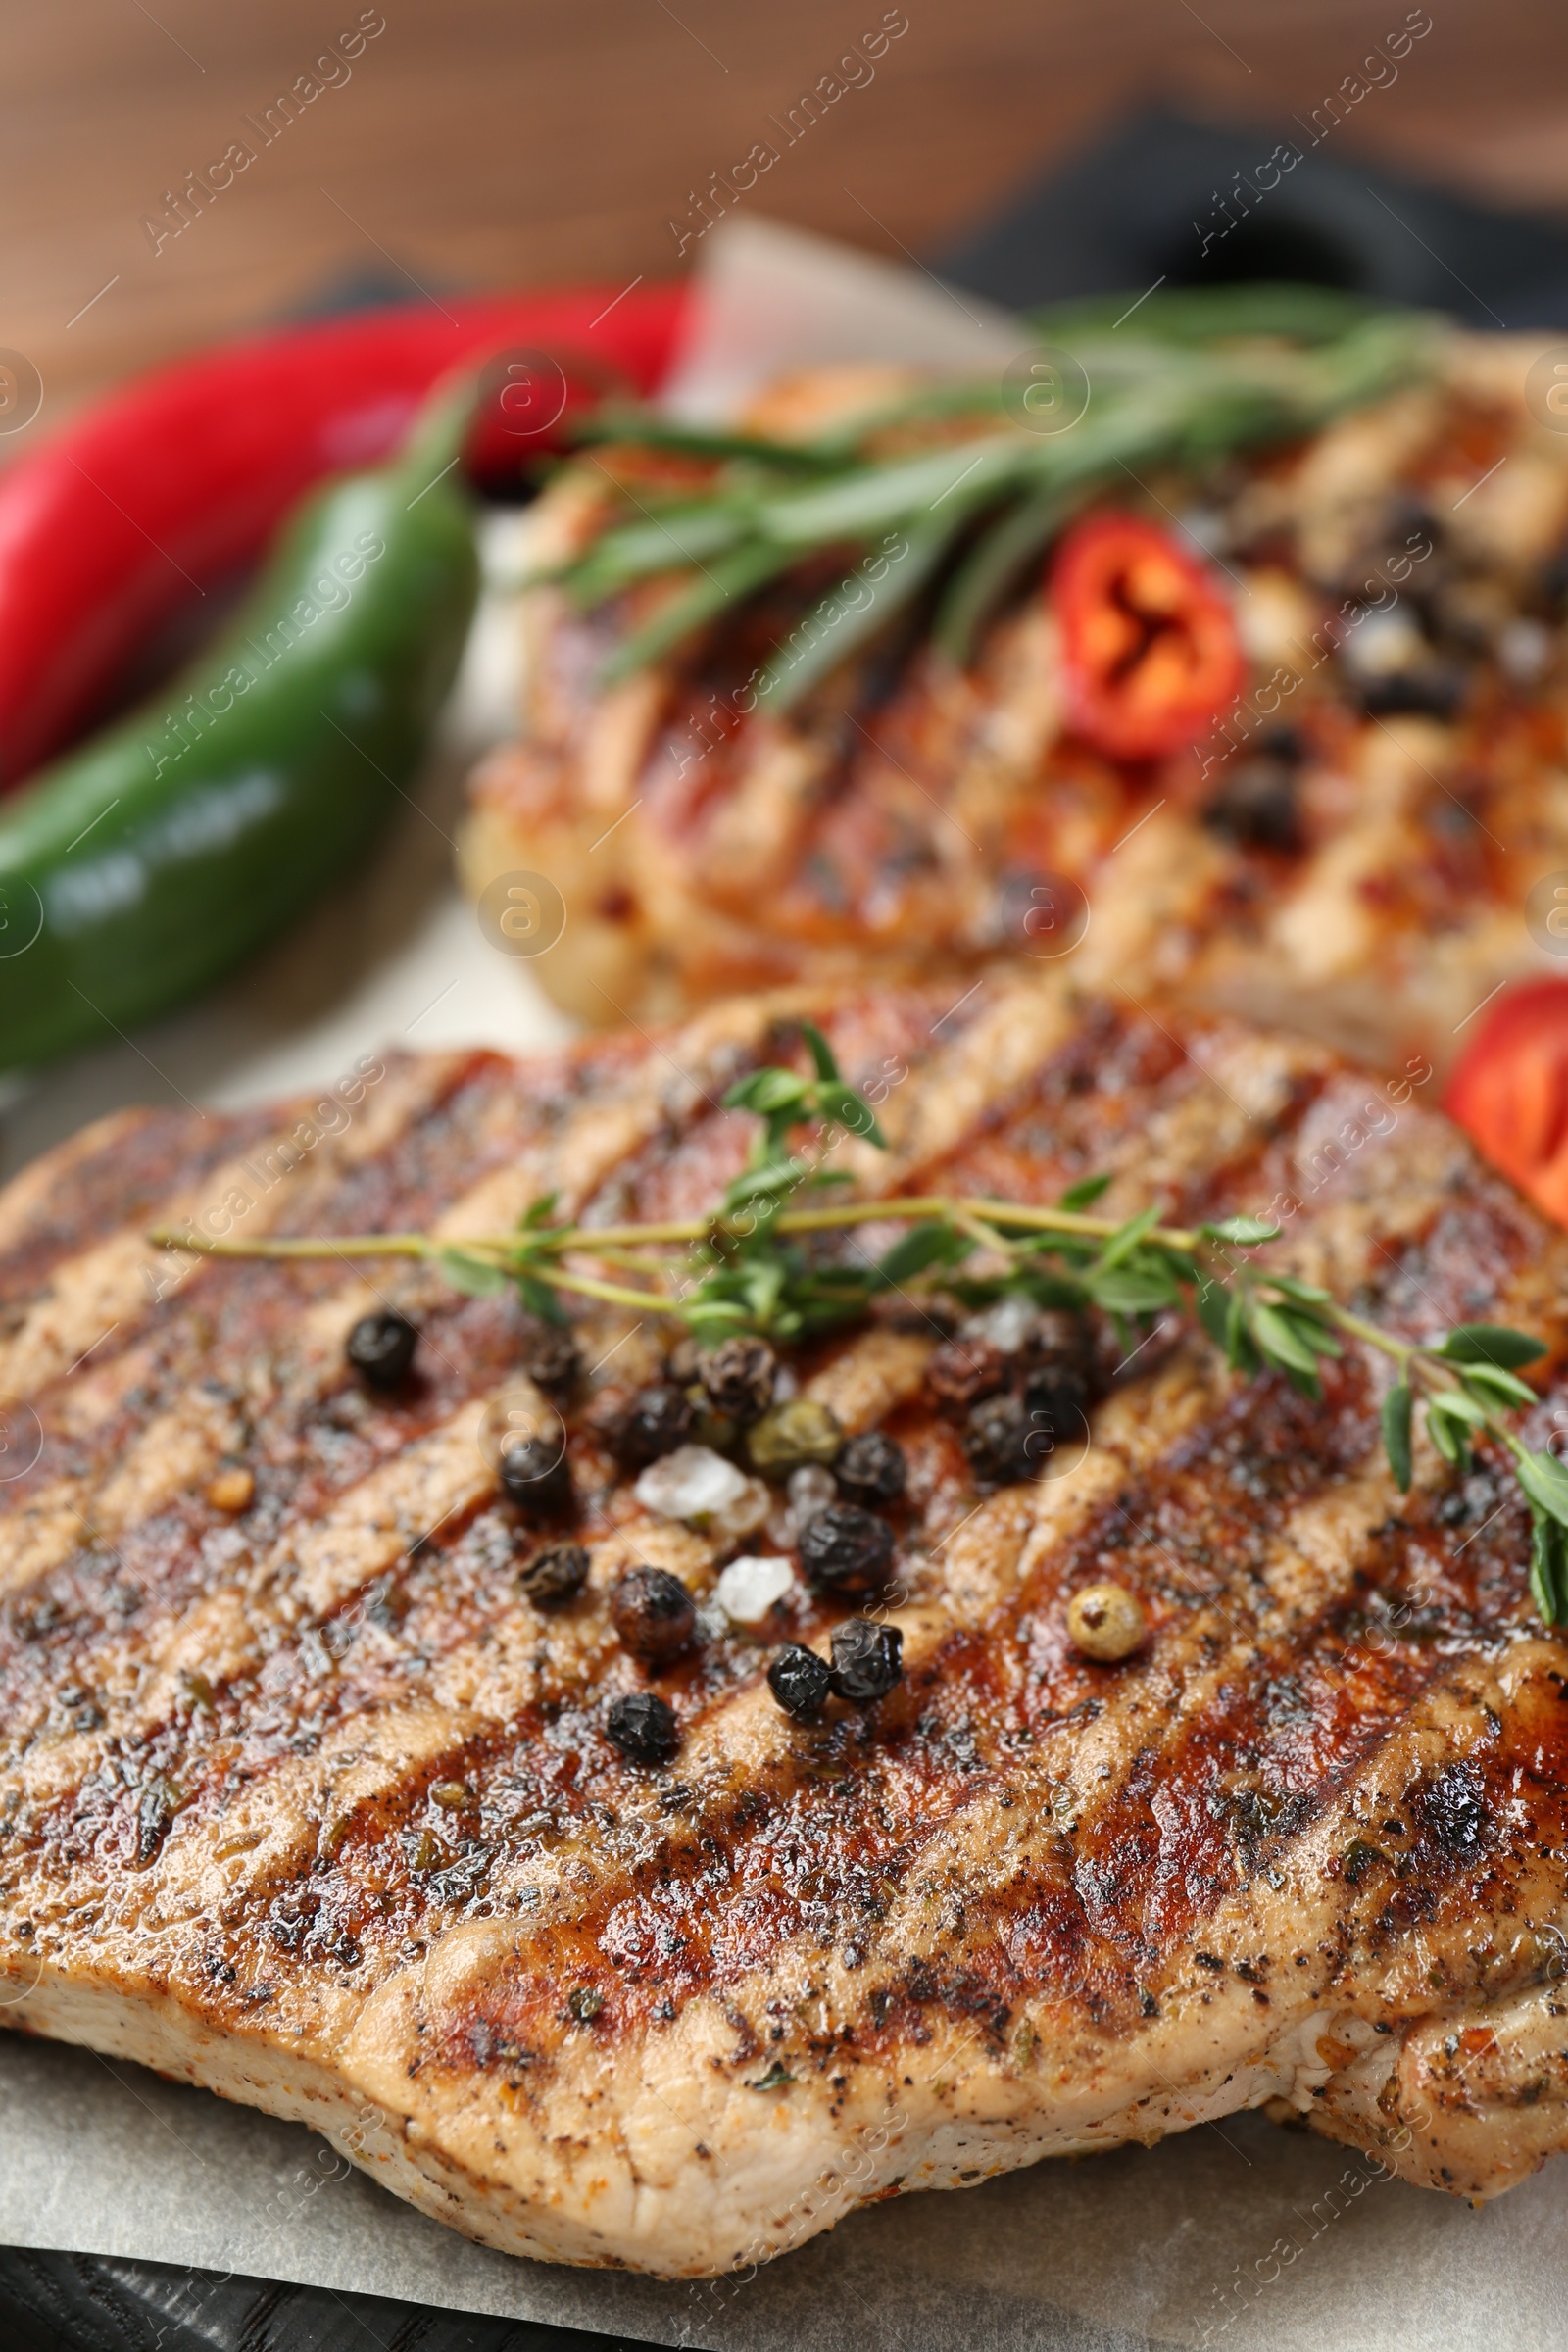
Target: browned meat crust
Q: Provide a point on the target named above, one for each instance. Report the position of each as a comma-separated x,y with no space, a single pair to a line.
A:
309,1805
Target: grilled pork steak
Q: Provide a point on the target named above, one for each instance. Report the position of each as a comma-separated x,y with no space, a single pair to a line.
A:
309,1792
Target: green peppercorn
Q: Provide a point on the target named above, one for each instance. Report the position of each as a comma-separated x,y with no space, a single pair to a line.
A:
787,1436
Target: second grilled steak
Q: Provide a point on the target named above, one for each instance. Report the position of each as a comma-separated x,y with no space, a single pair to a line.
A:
1349,850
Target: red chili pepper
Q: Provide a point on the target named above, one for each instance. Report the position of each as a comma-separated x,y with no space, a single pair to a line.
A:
1509,1092
160,492
1150,648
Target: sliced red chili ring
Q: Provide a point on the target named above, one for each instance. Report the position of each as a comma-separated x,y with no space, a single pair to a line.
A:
1150,645
1509,1092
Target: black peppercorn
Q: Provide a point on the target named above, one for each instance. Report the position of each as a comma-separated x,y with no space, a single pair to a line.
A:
550,1357
871,1468
800,1682
1431,689
1057,1397
1256,806
380,1348
845,1549
554,1573
1057,1336
965,1368
536,1476
867,1660
641,1428
739,1377
1005,1440
653,1613
643,1727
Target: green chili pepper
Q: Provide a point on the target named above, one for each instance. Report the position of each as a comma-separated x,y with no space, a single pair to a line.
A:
139,869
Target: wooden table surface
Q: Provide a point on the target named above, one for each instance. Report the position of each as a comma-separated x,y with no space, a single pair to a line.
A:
499,142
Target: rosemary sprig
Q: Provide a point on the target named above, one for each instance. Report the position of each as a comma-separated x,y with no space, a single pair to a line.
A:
955,471
758,1262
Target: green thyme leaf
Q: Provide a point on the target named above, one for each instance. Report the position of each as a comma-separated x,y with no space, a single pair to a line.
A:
1306,1294
1241,1350
1313,1331
1181,1264
1544,1481
1489,1343
1246,1232
1214,1304
715,1318
472,1275
772,1180
1143,1287
1492,1386
1281,1341
932,1243
846,1108
1449,1436
1044,1288
539,1299
539,1214
1085,1193
1548,1569
768,1092
821,1052
1452,1404
1126,1238
1396,1409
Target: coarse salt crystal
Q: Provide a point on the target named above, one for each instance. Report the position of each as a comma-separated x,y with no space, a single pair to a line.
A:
1007,1324
752,1586
811,1490
1525,649
751,1509
691,1483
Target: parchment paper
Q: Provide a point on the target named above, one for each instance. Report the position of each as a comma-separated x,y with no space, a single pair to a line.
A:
1238,2233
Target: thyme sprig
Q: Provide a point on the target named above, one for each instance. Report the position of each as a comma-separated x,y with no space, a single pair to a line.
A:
955,478
775,1258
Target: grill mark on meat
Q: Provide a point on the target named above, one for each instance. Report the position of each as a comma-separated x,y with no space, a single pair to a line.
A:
255,1323
45,1207
909,1882
55,1530
117,1282
1210,1691
1195,1640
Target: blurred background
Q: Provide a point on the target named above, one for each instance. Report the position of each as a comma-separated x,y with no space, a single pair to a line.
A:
503,142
